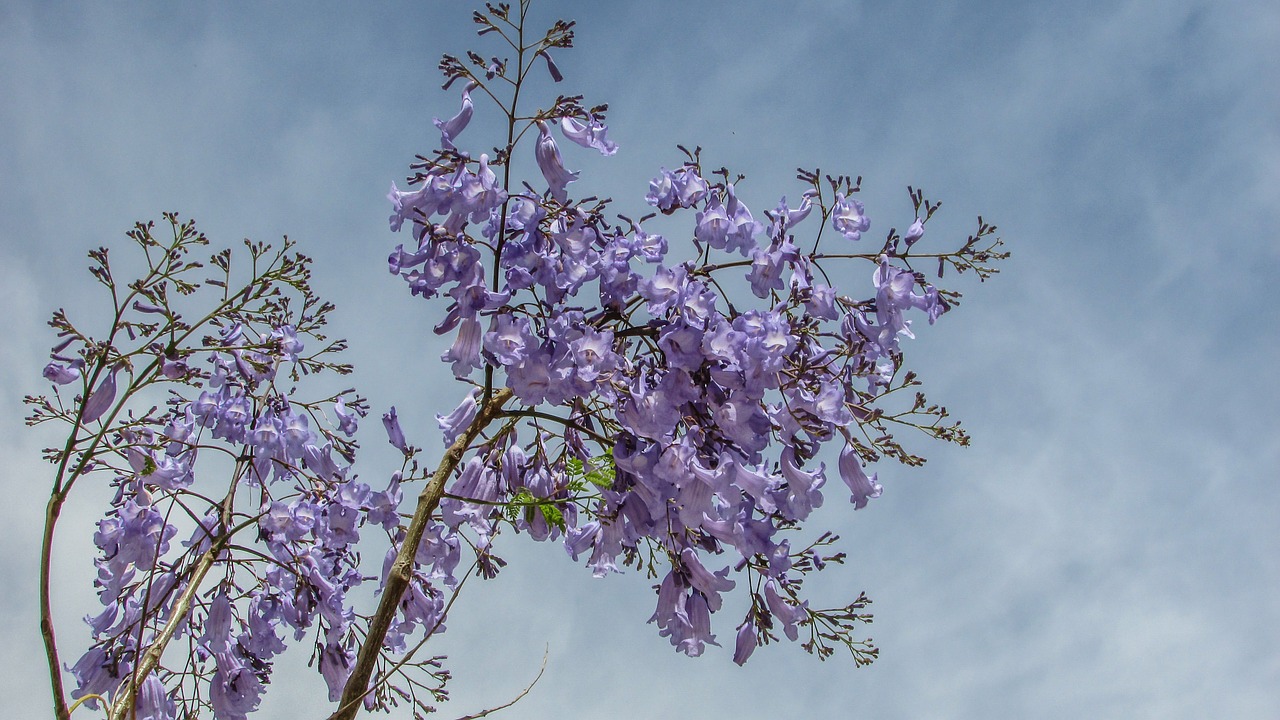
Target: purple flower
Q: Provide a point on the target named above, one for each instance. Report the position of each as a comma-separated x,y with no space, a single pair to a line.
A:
551,66
235,690
335,666
742,421
786,613
266,432
480,192
395,435
708,583
784,218
509,339
803,488
664,288
435,195
154,702
894,296
746,643
138,535
536,379
690,187
822,302
700,624
261,639
670,610
319,460
766,271
743,228
650,247
589,135
475,482
662,192
864,488
550,163
848,219
103,621
287,339
593,355
451,128
101,399
217,624
296,430
914,233
62,374
383,505
681,345
174,369
648,412
713,224
671,190
96,674
759,486
233,418
148,308
456,422
206,408
723,344
465,351
347,421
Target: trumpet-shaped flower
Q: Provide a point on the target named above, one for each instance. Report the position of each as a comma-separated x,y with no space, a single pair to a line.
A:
551,164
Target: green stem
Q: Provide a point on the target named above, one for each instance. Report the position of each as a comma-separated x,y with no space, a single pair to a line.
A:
60,710
506,178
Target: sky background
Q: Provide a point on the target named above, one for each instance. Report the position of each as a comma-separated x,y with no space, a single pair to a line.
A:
1107,548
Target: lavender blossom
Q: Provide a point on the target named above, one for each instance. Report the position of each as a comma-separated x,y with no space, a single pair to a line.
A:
914,233
589,135
848,218
864,488
456,422
451,128
394,434
745,644
550,163
62,374
101,399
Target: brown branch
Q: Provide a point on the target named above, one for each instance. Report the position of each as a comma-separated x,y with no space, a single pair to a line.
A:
401,573
126,696
177,617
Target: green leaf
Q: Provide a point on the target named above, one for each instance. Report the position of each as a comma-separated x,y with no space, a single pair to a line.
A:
552,515
602,472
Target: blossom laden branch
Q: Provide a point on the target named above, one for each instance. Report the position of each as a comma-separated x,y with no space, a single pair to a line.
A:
401,573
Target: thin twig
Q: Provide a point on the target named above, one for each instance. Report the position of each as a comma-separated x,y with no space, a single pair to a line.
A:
517,698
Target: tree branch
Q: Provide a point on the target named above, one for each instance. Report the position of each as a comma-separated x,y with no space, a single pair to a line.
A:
401,573
177,617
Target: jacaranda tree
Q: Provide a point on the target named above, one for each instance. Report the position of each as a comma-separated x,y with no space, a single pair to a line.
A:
652,401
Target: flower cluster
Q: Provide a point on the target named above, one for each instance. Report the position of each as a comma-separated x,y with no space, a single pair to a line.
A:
307,517
709,383
287,485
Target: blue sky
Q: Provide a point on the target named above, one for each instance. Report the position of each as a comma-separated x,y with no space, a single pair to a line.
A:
1107,548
